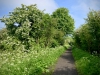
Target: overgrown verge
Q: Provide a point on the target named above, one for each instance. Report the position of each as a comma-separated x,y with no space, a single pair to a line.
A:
86,64
35,62
29,44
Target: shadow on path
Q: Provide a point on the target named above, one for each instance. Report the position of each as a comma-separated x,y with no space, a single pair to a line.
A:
65,65
65,71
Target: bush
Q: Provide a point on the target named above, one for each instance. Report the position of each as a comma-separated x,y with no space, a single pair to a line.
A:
10,43
54,43
86,64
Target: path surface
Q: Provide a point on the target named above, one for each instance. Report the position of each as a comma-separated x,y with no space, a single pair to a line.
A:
65,65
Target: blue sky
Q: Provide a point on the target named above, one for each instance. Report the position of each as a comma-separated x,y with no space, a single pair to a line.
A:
78,9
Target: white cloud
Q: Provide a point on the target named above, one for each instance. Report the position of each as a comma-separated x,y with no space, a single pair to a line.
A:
85,5
48,5
81,8
8,5
78,20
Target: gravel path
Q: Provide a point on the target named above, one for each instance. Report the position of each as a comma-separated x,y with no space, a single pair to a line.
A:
65,65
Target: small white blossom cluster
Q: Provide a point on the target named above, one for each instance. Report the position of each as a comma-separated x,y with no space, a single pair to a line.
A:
18,62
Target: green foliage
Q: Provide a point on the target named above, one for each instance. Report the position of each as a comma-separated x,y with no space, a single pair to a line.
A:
87,36
23,21
3,34
28,40
82,37
54,43
65,23
93,22
35,62
28,24
10,43
48,27
86,64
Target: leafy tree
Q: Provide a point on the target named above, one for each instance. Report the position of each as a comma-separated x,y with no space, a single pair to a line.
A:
65,23
59,37
88,35
83,38
48,28
93,22
77,37
24,23
27,17
28,24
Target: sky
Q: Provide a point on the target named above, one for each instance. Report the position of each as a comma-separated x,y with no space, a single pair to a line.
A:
78,9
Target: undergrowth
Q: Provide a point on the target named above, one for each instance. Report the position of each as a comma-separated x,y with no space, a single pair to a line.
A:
86,63
34,62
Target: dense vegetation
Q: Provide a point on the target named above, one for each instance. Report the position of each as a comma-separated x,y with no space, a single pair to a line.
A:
29,43
87,41
87,37
28,26
86,63
32,63
33,40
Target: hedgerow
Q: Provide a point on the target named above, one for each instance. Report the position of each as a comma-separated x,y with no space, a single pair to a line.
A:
86,63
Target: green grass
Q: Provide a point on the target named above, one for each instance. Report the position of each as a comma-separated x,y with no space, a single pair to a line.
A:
36,62
86,64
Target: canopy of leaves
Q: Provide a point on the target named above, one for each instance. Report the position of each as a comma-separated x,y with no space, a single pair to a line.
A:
88,35
23,21
28,24
65,23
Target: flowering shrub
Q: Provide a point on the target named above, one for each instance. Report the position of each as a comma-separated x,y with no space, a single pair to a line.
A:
10,43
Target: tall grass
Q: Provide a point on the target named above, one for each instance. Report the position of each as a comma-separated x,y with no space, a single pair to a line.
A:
86,64
35,62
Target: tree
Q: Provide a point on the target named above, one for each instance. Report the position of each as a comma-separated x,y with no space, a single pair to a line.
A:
24,23
65,23
87,36
48,29
28,23
83,38
93,22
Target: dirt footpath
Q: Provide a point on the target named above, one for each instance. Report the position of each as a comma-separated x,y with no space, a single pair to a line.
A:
65,65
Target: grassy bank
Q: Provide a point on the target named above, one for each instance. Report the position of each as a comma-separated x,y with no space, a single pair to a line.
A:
35,62
86,64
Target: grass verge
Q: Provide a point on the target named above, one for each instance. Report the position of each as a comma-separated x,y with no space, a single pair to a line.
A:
86,63
35,62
